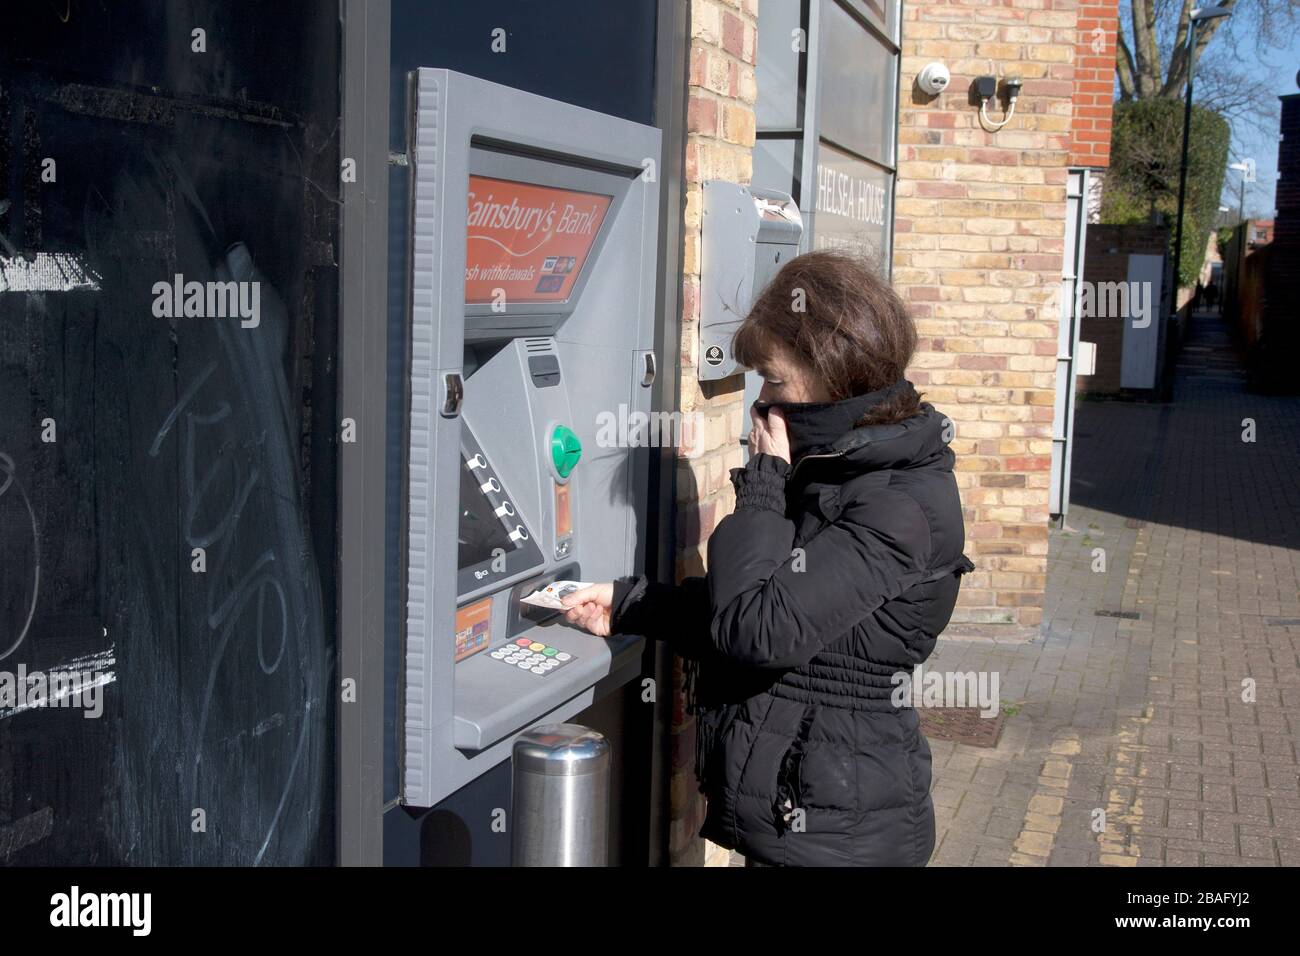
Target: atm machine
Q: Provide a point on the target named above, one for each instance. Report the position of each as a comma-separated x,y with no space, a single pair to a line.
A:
533,230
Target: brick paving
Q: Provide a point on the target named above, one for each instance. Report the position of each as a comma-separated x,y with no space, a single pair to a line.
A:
1130,742
1127,741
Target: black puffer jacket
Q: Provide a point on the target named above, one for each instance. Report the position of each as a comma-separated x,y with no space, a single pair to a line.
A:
826,581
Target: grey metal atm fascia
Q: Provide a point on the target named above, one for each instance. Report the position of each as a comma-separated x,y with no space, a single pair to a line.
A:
740,250
454,118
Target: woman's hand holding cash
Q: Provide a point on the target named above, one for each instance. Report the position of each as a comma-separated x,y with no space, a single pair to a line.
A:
590,608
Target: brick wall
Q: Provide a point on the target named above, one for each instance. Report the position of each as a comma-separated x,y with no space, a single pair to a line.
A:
720,141
979,240
1094,82
1248,309
1284,268
1106,260
1286,226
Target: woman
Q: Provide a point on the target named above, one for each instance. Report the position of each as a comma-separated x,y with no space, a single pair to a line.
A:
836,572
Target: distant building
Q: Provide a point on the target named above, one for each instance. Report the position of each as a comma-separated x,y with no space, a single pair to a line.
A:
1259,233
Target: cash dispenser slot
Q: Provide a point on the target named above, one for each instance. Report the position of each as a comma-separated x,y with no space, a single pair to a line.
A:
524,616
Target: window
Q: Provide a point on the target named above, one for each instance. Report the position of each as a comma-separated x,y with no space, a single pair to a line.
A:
827,116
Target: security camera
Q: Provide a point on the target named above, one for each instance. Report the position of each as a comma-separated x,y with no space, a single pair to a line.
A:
933,79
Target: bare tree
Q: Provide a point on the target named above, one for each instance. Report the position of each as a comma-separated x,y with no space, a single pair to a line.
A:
1152,60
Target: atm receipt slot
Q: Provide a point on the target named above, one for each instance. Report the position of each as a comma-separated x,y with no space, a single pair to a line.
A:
748,234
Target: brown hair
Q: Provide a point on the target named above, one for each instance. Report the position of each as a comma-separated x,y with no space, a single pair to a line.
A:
843,322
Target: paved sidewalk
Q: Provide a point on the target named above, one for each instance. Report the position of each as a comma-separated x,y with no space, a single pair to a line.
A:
1130,743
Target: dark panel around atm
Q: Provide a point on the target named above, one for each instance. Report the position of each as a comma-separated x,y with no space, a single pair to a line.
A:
552,51
592,53
168,156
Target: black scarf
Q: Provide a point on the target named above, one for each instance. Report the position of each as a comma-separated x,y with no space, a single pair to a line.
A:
815,426
712,693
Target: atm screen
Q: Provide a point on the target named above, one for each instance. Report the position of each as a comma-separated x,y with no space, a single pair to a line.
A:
528,242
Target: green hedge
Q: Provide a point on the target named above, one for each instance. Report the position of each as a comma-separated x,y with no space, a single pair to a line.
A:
1145,152
1221,240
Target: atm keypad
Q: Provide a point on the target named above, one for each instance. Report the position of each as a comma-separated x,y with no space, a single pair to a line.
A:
532,656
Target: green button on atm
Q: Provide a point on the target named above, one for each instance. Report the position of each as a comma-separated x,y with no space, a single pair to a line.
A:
565,450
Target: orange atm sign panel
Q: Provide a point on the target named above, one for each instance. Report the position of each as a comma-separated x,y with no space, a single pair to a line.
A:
530,242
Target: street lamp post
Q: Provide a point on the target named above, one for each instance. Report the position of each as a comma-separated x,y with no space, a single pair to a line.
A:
1199,15
1247,169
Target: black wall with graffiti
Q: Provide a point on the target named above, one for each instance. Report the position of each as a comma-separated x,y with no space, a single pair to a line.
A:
169,177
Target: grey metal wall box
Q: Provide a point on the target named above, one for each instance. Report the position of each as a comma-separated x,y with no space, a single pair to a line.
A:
492,385
747,234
